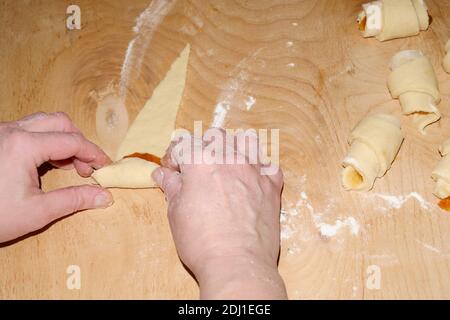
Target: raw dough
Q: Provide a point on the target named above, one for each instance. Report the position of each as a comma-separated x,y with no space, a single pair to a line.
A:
370,18
446,61
150,132
391,19
414,82
442,173
374,143
127,173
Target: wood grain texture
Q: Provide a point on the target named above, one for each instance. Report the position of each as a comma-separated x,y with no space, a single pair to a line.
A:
300,66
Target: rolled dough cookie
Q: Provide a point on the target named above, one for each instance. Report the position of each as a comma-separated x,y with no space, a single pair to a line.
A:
391,19
374,143
446,61
414,83
442,173
126,173
149,135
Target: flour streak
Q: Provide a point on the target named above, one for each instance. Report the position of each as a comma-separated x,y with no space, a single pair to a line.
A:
146,25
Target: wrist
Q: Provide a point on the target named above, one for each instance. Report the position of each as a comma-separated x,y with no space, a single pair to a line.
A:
244,276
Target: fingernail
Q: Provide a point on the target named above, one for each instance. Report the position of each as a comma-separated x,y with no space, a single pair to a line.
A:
103,200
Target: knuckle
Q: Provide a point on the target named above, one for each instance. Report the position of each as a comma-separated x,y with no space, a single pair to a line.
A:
32,117
40,114
13,143
64,119
76,199
36,115
277,182
76,137
215,131
279,176
61,115
16,138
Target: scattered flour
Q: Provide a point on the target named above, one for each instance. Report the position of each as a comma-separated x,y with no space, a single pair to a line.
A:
220,113
396,202
189,30
249,102
237,83
325,229
329,230
384,259
197,21
145,26
433,249
334,77
293,250
318,139
286,232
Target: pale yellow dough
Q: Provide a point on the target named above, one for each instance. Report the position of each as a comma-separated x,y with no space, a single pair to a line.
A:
398,19
126,173
446,62
151,132
442,172
414,83
374,144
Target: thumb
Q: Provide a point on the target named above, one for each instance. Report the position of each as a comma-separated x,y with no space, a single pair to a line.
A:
168,180
61,202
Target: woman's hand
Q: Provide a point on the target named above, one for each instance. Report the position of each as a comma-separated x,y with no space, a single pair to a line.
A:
225,222
27,144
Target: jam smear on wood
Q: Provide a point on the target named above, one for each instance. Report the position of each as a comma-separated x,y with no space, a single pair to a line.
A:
362,24
445,204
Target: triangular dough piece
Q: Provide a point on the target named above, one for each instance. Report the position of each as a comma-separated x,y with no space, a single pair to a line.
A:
152,129
150,133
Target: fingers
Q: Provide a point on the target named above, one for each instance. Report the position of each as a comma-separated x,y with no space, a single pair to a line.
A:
216,146
219,147
181,152
247,145
59,203
54,146
47,122
168,160
168,180
83,169
66,164
59,122
274,173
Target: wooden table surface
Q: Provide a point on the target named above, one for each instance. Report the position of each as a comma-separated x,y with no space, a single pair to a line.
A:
300,66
